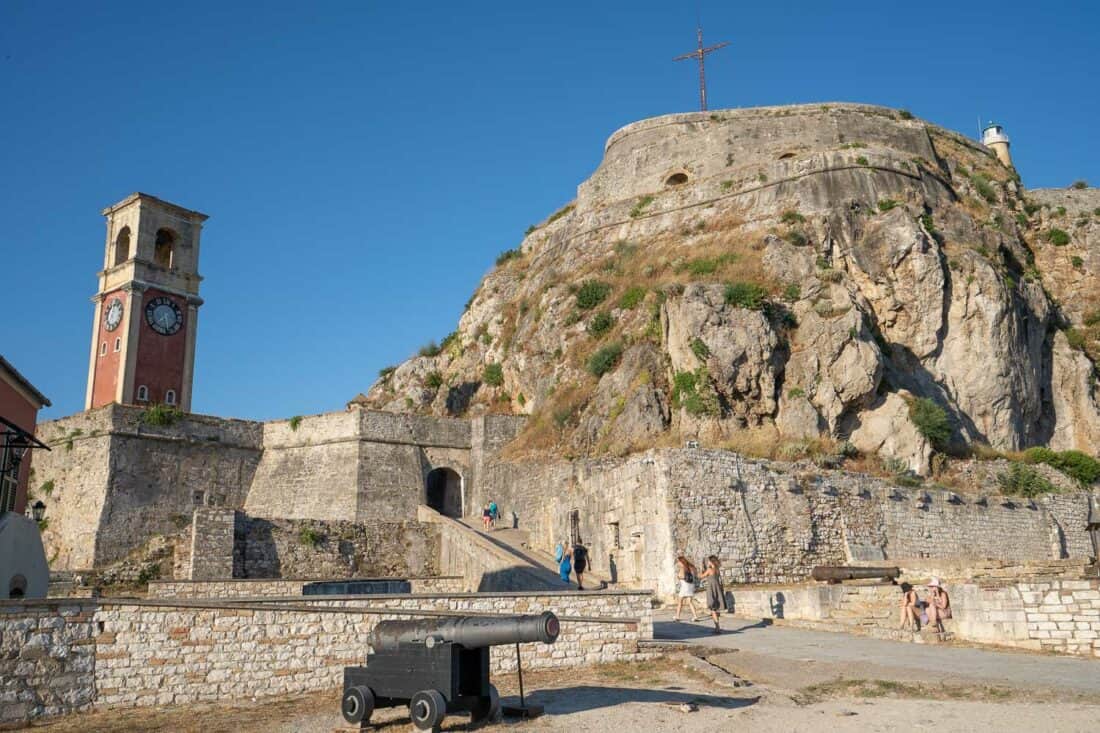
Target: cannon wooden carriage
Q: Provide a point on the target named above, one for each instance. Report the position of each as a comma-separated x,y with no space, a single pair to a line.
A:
437,667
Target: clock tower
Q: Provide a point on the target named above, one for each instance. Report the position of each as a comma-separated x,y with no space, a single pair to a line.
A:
147,306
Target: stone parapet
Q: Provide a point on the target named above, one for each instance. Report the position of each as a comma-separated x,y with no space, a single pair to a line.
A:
290,588
63,656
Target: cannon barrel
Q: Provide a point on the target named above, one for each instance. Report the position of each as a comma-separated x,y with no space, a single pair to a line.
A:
471,632
835,573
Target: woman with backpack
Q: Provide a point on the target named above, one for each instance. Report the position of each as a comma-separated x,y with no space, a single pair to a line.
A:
685,574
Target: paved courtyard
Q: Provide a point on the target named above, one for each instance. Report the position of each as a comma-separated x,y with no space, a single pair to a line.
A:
800,655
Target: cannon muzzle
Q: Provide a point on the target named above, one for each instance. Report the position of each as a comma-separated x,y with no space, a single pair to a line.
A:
471,632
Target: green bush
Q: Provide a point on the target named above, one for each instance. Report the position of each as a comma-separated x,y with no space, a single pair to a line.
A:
726,185
1022,220
591,293
493,375
905,114
294,422
745,295
640,206
1096,211
984,188
792,217
160,415
1073,463
1023,480
605,359
693,392
930,420
560,213
700,349
1058,237
433,380
795,392
47,488
386,372
1080,184
430,349
507,255
706,265
1092,317
795,237
861,161
928,223
601,323
886,204
528,230
632,297
309,537
147,573
1060,211
1075,338
792,293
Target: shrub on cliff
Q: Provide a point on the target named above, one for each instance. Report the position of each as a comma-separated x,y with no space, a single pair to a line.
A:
604,359
508,255
160,415
1023,480
591,293
931,421
309,537
1058,237
633,295
745,295
493,375
1073,463
601,323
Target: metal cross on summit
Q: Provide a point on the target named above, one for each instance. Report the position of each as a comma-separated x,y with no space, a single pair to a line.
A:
700,53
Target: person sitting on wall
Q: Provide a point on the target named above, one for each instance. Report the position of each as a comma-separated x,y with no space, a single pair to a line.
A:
910,608
939,605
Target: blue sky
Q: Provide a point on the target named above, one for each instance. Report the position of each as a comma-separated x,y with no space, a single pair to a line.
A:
363,163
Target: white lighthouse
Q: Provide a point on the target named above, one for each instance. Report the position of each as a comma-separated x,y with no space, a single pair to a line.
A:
994,138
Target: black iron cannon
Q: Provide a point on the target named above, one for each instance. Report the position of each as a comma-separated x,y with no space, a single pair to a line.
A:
437,666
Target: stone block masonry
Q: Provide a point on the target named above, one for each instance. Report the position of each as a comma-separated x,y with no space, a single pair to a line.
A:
47,659
68,656
293,588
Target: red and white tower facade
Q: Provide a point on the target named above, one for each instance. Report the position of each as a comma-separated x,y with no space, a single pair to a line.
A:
147,307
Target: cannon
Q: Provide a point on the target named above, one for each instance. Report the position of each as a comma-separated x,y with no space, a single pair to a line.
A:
437,666
837,573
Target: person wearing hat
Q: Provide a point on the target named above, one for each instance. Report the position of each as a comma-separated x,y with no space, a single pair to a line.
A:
939,605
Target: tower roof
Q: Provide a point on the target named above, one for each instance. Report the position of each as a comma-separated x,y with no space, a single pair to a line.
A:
138,195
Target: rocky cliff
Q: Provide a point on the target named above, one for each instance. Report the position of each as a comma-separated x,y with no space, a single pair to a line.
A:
767,279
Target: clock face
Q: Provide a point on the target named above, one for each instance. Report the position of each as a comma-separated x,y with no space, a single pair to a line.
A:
113,315
163,316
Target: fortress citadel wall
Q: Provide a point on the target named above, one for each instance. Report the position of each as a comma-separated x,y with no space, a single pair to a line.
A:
769,522
112,479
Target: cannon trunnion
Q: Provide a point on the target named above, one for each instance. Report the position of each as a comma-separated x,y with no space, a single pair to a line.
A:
437,667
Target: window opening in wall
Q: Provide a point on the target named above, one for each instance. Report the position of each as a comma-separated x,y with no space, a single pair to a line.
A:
143,393
616,538
164,248
103,349
198,497
170,397
574,527
17,588
118,344
122,246
676,179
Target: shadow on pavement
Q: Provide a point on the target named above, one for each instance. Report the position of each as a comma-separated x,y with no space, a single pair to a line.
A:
565,700
680,630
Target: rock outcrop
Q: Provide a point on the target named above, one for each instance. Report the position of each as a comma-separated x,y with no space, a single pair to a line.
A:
805,271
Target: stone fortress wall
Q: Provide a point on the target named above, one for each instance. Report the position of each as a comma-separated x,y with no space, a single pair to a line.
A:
769,522
111,480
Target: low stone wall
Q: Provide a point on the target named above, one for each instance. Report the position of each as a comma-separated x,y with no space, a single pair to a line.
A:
59,657
47,659
287,588
1054,615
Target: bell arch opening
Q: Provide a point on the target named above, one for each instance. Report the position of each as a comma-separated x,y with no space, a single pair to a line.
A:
122,246
443,492
164,249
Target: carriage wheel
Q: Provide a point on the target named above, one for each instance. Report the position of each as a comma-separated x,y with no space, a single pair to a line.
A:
357,704
487,709
427,709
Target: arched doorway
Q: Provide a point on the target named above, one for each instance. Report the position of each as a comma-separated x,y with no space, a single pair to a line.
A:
443,492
